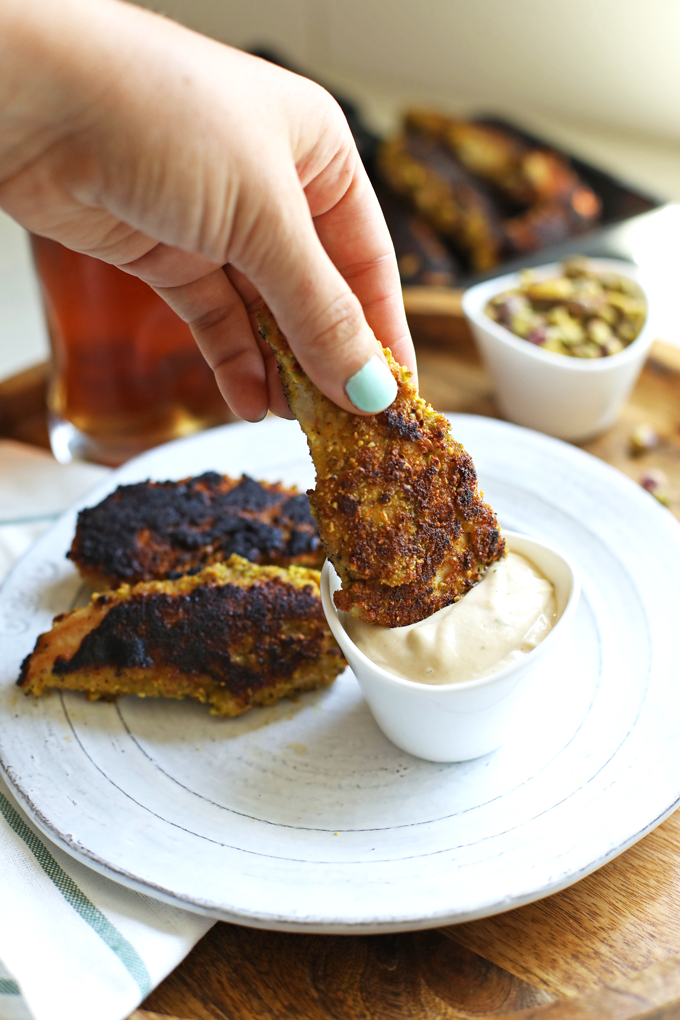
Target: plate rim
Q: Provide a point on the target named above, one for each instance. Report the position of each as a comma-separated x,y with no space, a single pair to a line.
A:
370,926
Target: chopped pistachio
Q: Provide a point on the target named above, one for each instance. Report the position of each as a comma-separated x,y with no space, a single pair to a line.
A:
627,331
608,313
642,439
613,346
556,289
553,343
598,331
580,314
656,482
630,307
588,349
564,328
575,266
524,321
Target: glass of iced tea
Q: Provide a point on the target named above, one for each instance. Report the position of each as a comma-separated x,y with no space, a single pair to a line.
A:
126,372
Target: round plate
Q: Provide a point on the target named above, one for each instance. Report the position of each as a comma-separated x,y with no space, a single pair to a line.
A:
303,816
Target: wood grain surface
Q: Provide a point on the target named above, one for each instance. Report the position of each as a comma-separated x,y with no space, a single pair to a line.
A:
607,948
23,415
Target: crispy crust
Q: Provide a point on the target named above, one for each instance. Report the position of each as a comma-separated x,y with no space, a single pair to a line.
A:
559,203
233,636
422,169
156,530
396,498
421,256
523,173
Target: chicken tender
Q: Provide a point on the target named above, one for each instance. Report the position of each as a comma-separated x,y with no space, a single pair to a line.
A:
156,530
423,170
233,636
396,498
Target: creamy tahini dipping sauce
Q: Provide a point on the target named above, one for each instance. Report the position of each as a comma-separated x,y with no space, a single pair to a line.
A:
500,620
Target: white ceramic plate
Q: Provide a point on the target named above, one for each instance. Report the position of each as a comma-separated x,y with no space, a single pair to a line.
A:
303,816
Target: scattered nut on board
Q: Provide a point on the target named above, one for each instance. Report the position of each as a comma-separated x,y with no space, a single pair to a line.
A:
642,439
655,481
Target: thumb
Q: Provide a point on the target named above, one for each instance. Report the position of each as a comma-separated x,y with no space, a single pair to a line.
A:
321,316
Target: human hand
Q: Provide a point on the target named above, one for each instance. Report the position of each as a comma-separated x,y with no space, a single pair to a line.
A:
217,178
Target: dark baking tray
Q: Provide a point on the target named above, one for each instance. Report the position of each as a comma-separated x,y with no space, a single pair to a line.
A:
622,204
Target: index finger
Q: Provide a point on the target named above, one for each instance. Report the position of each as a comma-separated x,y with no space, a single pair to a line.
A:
355,236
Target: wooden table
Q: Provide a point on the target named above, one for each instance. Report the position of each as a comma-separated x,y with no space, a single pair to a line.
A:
608,948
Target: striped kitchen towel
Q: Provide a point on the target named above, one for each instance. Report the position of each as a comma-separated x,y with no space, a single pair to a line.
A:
73,945
11,1004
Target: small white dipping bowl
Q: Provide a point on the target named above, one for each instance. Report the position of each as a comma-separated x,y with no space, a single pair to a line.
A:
455,722
571,398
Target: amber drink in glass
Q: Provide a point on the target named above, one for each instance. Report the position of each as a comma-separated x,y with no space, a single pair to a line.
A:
126,372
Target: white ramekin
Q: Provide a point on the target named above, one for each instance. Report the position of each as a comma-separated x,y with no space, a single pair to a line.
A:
455,722
571,398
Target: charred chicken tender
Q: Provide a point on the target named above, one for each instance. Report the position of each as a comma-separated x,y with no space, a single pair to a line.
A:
424,171
536,197
487,152
522,172
422,258
581,313
396,498
156,530
551,221
233,636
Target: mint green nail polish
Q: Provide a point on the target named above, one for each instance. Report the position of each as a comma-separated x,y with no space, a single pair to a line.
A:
373,387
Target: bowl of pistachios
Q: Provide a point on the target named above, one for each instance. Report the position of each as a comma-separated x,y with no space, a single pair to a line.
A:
564,343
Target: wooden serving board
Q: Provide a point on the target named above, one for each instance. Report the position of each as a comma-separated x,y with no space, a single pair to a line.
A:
608,948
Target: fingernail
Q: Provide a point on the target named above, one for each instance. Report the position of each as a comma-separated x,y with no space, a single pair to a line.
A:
373,387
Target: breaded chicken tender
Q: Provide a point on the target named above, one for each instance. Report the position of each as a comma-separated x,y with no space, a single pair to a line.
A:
151,531
396,498
233,636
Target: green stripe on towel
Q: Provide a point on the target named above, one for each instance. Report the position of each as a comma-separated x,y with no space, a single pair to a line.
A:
7,986
117,942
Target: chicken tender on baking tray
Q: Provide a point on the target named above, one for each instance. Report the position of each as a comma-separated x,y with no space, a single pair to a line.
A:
156,530
233,636
396,498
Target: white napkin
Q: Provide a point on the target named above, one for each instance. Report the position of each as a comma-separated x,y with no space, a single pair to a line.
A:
73,945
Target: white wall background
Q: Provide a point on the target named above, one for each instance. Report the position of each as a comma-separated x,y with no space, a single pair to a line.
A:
611,62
